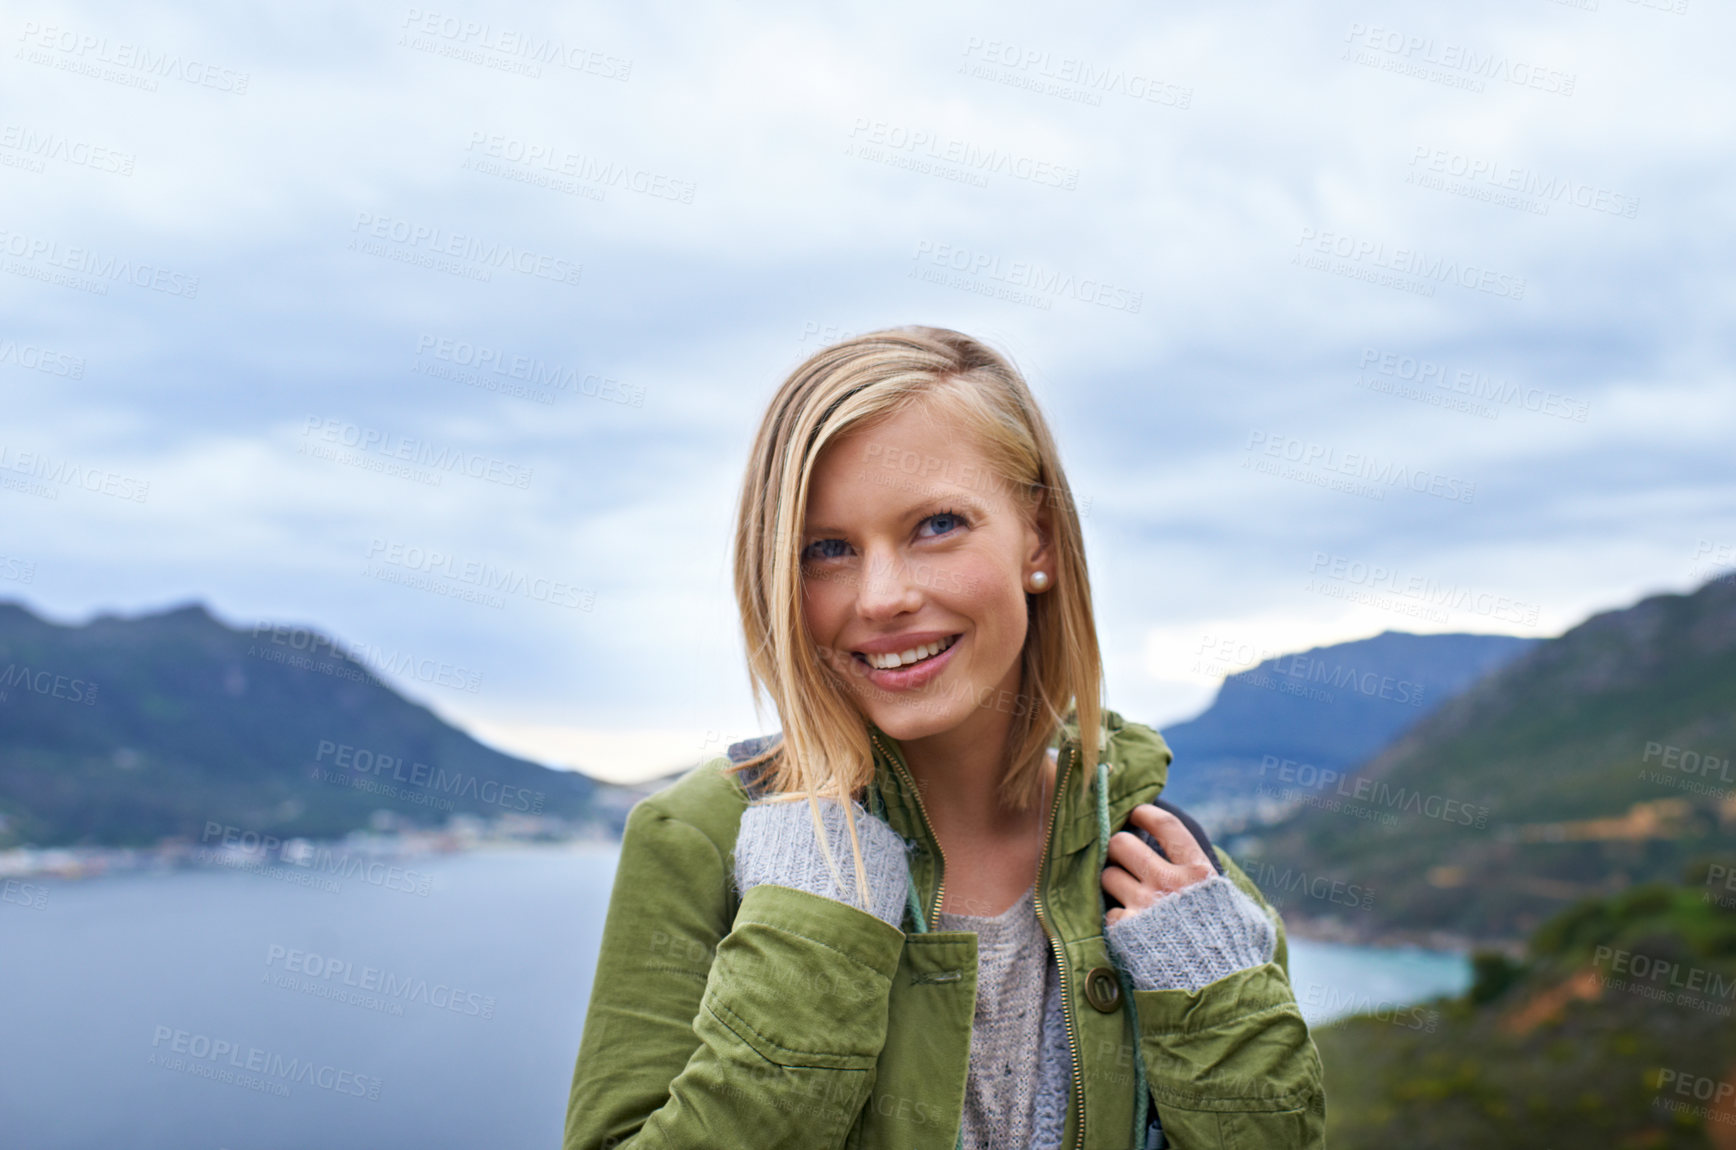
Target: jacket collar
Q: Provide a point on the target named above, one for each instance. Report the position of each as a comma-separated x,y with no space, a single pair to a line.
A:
1138,760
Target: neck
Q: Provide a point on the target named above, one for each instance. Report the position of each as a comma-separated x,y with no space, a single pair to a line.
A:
960,782
959,773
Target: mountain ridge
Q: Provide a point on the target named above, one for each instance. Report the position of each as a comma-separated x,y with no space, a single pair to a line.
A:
1297,707
122,730
1577,750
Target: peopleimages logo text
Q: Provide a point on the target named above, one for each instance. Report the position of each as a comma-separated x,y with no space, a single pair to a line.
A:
456,783
531,370
69,474
1467,62
443,565
518,44
1377,579
420,452
343,973
953,150
189,1052
434,240
38,147
100,267
151,65
1411,262
1362,465
1027,274
1072,72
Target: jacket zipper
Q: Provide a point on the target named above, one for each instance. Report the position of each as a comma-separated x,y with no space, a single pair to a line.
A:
940,881
1042,917
1060,956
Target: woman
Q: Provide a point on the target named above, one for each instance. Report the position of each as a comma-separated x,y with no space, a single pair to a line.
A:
970,958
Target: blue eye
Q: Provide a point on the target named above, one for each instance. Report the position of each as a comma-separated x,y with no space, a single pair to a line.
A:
825,549
944,523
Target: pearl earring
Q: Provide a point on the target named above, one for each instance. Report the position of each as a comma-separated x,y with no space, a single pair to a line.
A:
1039,581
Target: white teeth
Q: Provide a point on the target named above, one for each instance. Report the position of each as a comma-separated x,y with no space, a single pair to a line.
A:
888,661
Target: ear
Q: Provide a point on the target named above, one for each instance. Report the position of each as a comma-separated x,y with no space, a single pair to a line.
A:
1040,534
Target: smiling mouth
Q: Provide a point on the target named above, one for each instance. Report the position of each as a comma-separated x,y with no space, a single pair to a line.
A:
892,661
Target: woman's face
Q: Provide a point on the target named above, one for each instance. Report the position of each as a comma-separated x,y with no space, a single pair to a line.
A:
915,558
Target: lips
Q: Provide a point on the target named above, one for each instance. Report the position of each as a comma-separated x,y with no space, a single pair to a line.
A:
890,671
892,660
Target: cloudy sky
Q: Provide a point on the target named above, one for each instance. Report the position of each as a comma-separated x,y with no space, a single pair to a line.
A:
1349,316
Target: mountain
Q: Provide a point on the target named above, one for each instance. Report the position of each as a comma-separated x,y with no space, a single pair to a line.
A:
124,731
1594,761
1331,707
1614,1030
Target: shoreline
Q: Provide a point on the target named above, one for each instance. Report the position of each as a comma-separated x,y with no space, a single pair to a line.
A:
74,864
1336,930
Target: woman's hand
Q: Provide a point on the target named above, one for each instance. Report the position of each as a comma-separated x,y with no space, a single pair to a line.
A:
1138,876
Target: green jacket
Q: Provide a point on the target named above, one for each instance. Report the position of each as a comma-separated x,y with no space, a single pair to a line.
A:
783,1019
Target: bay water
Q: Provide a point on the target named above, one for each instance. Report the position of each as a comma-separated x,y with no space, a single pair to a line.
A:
228,1010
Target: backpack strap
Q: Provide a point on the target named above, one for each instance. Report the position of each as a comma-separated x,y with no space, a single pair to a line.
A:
1193,827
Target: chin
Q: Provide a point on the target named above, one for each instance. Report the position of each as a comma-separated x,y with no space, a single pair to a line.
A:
905,726
918,718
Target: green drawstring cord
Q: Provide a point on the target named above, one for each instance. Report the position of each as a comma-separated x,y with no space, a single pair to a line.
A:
1141,1099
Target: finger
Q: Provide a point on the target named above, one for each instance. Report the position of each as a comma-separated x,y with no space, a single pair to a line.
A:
1127,890
1132,855
1177,841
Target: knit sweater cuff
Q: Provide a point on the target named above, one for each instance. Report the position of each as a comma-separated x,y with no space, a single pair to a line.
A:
1193,937
777,845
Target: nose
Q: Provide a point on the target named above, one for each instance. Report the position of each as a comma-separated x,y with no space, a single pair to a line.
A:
887,588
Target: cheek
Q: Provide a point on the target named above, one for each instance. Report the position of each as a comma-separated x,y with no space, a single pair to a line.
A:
829,603
983,591
825,602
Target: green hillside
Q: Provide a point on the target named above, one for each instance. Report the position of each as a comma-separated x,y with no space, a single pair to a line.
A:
126,731
1615,1031
1593,762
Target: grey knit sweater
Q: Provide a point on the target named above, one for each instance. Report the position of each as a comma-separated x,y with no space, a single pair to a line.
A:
1016,1089
1016,1086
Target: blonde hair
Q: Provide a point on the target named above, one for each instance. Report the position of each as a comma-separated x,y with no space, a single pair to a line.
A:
825,747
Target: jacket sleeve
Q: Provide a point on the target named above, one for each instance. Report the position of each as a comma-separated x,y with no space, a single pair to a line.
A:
1232,1064
703,1032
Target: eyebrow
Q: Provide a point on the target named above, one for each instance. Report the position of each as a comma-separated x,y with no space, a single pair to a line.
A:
918,510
